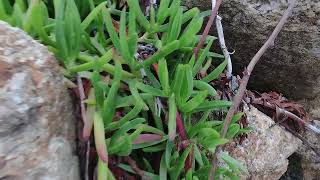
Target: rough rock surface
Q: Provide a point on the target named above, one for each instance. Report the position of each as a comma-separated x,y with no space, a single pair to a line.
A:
305,164
310,162
292,65
36,123
266,149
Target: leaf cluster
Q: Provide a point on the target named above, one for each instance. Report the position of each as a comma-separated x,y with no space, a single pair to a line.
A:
101,43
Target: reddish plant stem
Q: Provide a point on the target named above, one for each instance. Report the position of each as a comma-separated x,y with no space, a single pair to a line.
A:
135,167
184,138
82,98
85,121
155,67
184,144
181,131
188,163
180,127
207,28
238,98
205,33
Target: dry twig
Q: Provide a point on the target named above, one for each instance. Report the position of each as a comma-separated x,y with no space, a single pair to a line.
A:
207,29
223,46
238,98
289,115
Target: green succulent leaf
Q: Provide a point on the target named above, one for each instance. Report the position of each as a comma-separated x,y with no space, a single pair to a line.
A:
233,163
178,82
4,7
205,86
164,76
163,168
139,72
192,29
190,14
110,28
37,22
172,118
205,132
201,59
67,31
216,104
187,84
99,138
194,102
93,14
134,5
175,25
212,143
232,131
164,51
198,156
163,11
175,172
150,90
129,169
216,72
156,148
168,152
132,34
147,144
237,117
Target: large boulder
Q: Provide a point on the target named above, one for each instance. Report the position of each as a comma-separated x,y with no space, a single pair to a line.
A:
292,65
37,133
266,149
310,161
305,163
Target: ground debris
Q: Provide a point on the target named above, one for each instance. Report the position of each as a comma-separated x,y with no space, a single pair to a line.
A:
274,104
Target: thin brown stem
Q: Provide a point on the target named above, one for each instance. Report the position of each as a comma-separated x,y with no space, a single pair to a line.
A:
84,119
86,176
135,167
289,115
82,98
238,98
207,28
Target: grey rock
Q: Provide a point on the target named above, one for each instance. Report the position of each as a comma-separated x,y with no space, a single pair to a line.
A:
37,129
310,161
305,163
292,65
266,149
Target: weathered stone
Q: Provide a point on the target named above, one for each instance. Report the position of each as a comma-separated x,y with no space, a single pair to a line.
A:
305,163
266,149
292,65
310,161
37,134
